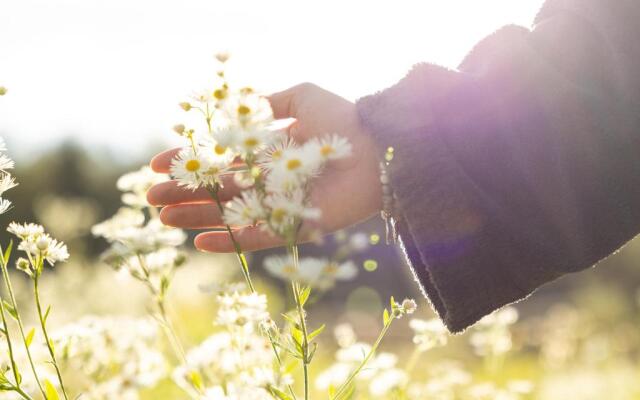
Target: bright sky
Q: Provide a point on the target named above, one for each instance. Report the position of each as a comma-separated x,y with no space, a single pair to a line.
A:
110,73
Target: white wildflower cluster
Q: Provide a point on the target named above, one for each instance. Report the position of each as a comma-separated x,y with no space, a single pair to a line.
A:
513,390
429,334
381,376
38,247
112,357
318,273
237,362
492,336
6,180
135,185
28,383
240,141
141,245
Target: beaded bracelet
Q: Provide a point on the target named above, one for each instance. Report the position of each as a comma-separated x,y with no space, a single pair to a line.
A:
388,200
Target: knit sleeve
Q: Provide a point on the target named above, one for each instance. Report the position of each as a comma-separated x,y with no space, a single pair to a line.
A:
516,169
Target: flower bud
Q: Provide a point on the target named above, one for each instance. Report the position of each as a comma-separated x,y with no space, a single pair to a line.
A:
3,90
179,129
409,306
23,265
42,243
222,56
185,106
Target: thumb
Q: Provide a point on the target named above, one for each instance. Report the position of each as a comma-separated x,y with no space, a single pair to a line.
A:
283,104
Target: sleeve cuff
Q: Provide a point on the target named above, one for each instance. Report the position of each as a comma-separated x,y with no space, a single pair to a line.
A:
462,259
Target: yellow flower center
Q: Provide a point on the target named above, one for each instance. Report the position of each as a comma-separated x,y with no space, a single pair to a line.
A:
289,270
276,154
331,269
293,164
243,110
251,142
192,165
220,94
326,150
278,215
220,150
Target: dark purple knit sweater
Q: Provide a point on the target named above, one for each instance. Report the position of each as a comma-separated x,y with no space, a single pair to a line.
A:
523,165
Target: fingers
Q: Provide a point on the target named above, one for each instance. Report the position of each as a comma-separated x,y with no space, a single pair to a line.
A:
250,238
162,162
282,104
192,216
169,193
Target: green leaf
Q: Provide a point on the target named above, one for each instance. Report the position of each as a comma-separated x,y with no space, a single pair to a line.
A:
279,394
316,332
385,317
50,390
292,321
10,309
196,379
29,338
7,253
164,284
304,295
46,314
296,335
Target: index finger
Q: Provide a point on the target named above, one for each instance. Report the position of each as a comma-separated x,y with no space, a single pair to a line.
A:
161,163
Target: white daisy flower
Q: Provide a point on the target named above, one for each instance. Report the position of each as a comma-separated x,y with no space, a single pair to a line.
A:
25,231
203,96
249,109
140,180
245,210
332,147
5,205
253,139
188,168
273,154
6,163
45,247
294,167
218,145
124,219
285,209
281,267
428,333
6,182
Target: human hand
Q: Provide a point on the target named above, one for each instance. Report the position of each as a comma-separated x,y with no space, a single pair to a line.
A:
348,191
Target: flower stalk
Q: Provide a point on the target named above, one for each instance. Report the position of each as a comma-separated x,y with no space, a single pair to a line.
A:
43,325
18,318
300,299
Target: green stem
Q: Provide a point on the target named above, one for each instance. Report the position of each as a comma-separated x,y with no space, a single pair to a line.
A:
14,304
22,393
364,362
245,273
172,336
413,360
241,258
43,325
178,349
295,286
14,367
